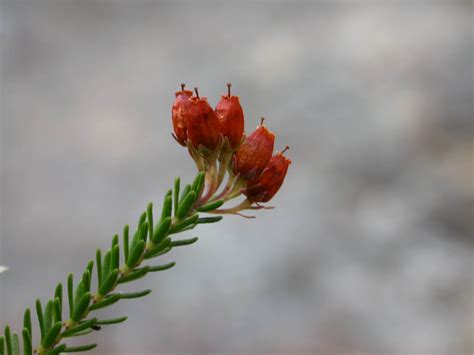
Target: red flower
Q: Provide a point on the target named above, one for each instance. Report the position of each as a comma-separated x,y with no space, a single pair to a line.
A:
263,188
180,113
231,118
254,153
203,124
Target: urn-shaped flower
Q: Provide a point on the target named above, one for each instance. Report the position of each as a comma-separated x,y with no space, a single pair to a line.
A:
179,114
203,125
254,153
263,188
231,118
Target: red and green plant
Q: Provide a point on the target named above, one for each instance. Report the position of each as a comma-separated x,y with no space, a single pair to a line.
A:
217,143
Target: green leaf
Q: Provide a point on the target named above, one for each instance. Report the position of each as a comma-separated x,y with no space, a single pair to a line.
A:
167,206
132,295
178,243
58,293
79,328
80,334
27,346
57,311
108,301
115,257
161,230
111,321
136,254
109,283
185,192
185,223
106,265
8,340
137,235
27,321
81,307
15,344
186,205
90,268
78,349
98,261
79,293
39,314
205,220
177,183
188,228
149,212
51,336
115,240
135,275
140,234
57,350
86,280
141,220
198,184
125,241
2,345
70,287
161,267
136,238
211,206
48,316
144,231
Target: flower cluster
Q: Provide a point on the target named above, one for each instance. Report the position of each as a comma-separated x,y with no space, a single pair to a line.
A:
217,142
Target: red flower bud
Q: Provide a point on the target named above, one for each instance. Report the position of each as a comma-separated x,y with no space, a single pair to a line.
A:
203,124
254,153
180,113
231,118
263,188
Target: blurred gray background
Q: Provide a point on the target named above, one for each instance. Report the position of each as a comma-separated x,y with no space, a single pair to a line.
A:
370,248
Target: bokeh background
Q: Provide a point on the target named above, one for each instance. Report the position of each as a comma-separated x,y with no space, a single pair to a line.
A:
370,248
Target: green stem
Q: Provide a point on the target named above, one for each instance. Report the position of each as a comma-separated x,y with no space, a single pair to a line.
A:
125,270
